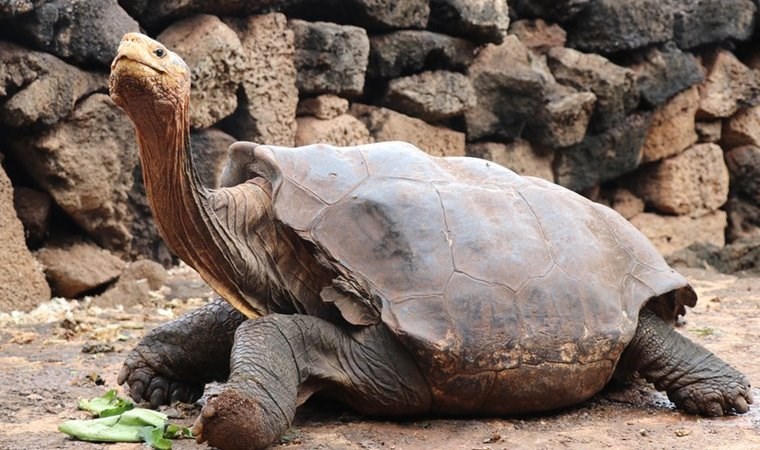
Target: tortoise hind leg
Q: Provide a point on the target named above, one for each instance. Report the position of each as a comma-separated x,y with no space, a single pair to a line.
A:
278,361
694,378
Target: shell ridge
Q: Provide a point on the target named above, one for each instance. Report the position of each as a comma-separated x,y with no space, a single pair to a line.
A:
303,188
538,277
492,283
447,229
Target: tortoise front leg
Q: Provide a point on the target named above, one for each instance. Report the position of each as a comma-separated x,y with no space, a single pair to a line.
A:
694,378
176,360
278,361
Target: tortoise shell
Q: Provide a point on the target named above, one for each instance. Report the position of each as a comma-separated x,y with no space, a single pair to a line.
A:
486,276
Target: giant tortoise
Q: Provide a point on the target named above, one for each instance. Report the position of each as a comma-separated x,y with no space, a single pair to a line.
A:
394,281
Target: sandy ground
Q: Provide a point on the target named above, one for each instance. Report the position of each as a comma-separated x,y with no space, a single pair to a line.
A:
44,371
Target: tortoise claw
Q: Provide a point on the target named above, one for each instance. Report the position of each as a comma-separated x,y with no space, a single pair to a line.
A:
741,405
207,413
148,384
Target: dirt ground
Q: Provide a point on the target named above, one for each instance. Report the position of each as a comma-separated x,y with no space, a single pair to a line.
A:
64,351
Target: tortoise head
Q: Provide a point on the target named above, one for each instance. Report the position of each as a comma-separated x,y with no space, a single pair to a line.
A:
150,82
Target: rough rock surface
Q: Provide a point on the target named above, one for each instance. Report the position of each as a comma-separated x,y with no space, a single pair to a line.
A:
78,268
22,282
376,13
693,182
372,14
743,128
215,57
431,96
672,128
411,51
743,219
406,14
563,119
709,131
323,106
518,156
369,14
609,26
604,156
744,166
268,99
663,71
672,233
154,13
33,208
209,149
614,86
145,269
12,8
79,31
85,163
626,203
538,35
134,285
737,257
729,85
478,20
330,58
698,22
36,87
508,90
387,125
343,130
554,10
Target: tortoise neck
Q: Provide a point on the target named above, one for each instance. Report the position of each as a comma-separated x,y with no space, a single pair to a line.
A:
177,198
181,205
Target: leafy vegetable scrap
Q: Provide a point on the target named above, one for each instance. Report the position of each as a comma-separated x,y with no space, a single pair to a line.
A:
119,421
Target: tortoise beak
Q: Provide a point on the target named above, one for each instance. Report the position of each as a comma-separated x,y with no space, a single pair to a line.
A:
134,57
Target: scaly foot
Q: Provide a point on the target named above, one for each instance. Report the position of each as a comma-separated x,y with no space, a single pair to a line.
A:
233,421
715,396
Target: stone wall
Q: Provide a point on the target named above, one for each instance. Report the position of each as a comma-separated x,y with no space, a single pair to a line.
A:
650,106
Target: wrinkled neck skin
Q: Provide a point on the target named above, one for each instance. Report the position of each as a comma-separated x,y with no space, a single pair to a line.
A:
176,196
183,208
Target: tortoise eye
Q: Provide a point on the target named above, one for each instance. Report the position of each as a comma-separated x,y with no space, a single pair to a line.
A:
159,52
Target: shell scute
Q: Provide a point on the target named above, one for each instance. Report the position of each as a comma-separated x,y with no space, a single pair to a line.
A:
368,233
478,218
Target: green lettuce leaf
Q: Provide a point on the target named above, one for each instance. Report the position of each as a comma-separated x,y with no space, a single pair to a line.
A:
122,428
120,421
108,404
155,438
